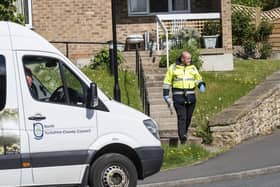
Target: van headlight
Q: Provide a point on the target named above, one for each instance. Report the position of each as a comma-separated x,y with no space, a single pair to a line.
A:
152,127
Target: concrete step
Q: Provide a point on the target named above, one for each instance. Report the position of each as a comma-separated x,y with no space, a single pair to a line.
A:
154,77
154,89
170,136
152,83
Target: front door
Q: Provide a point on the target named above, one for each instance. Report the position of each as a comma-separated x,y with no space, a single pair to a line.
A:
60,127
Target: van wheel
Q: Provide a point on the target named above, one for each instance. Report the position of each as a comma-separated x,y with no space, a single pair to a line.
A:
113,170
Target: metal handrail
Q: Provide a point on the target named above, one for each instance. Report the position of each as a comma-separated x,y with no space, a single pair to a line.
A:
142,83
70,42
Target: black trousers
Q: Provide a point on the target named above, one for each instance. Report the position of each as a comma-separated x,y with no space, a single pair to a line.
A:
184,114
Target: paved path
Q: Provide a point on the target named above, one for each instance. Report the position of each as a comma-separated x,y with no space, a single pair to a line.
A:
258,156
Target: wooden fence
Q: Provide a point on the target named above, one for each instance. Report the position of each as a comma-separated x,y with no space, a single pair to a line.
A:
257,16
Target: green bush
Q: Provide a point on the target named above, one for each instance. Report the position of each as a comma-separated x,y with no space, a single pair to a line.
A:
103,58
265,50
242,29
189,41
211,28
263,31
192,46
249,48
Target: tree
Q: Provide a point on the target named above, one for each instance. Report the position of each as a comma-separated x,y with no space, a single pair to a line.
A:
8,12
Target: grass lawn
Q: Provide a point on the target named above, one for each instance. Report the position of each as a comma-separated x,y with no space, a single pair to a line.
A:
224,88
130,94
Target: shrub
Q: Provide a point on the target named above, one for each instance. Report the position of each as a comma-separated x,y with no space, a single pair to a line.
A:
249,48
192,46
263,31
242,29
265,50
211,28
188,41
103,58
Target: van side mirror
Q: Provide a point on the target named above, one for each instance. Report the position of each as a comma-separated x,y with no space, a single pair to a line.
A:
92,98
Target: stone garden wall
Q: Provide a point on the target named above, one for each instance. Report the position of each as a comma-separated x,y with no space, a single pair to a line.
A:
257,113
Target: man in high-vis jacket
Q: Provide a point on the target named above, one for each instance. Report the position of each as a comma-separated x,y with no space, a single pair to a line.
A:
183,77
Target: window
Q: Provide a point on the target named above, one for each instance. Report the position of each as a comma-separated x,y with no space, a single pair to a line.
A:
157,6
180,5
137,6
24,7
52,81
3,84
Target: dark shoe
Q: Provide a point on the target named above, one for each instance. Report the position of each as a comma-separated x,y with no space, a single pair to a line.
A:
183,140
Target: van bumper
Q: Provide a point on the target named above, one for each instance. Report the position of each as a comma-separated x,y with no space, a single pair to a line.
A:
151,159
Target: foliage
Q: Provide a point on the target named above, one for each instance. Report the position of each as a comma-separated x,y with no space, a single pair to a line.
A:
265,50
249,47
253,40
253,3
242,29
183,155
103,57
265,4
189,41
8,12
211,28
187,34
263,31
130,94
224,88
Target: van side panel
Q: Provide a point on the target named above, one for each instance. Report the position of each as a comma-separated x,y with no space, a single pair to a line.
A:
10,142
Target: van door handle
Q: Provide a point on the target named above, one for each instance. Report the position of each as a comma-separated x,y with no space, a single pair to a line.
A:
37,117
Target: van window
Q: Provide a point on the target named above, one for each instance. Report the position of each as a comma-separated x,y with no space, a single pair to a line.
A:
3,87
52,81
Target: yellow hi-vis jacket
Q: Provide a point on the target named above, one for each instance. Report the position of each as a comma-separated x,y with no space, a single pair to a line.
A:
181,77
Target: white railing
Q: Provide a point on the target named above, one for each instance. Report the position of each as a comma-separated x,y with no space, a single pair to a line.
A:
159,23
178,22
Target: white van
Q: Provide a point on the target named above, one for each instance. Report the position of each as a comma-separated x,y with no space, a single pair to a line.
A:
55,130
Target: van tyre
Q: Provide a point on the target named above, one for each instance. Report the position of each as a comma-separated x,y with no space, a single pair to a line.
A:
113,170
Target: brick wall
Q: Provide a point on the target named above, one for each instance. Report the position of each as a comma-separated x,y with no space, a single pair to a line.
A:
226,24
73,20
90,20
132,24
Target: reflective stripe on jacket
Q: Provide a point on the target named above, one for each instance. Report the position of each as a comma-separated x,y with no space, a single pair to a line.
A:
183,77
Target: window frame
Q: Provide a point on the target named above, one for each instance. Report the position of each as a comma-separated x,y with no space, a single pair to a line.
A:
148,11
21,8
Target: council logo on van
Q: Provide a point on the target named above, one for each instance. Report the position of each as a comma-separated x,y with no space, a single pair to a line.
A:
38,131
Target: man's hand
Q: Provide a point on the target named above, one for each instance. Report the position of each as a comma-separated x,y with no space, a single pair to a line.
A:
202,88
168,101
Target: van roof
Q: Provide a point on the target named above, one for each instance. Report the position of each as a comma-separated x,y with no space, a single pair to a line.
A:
17,37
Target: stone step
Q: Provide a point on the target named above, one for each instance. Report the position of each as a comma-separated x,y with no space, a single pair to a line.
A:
157,101
155,95
154,77
172,134
152,83
154,89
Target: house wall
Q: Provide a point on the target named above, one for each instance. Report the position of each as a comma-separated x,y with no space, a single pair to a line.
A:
90,20
73,20
226,24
